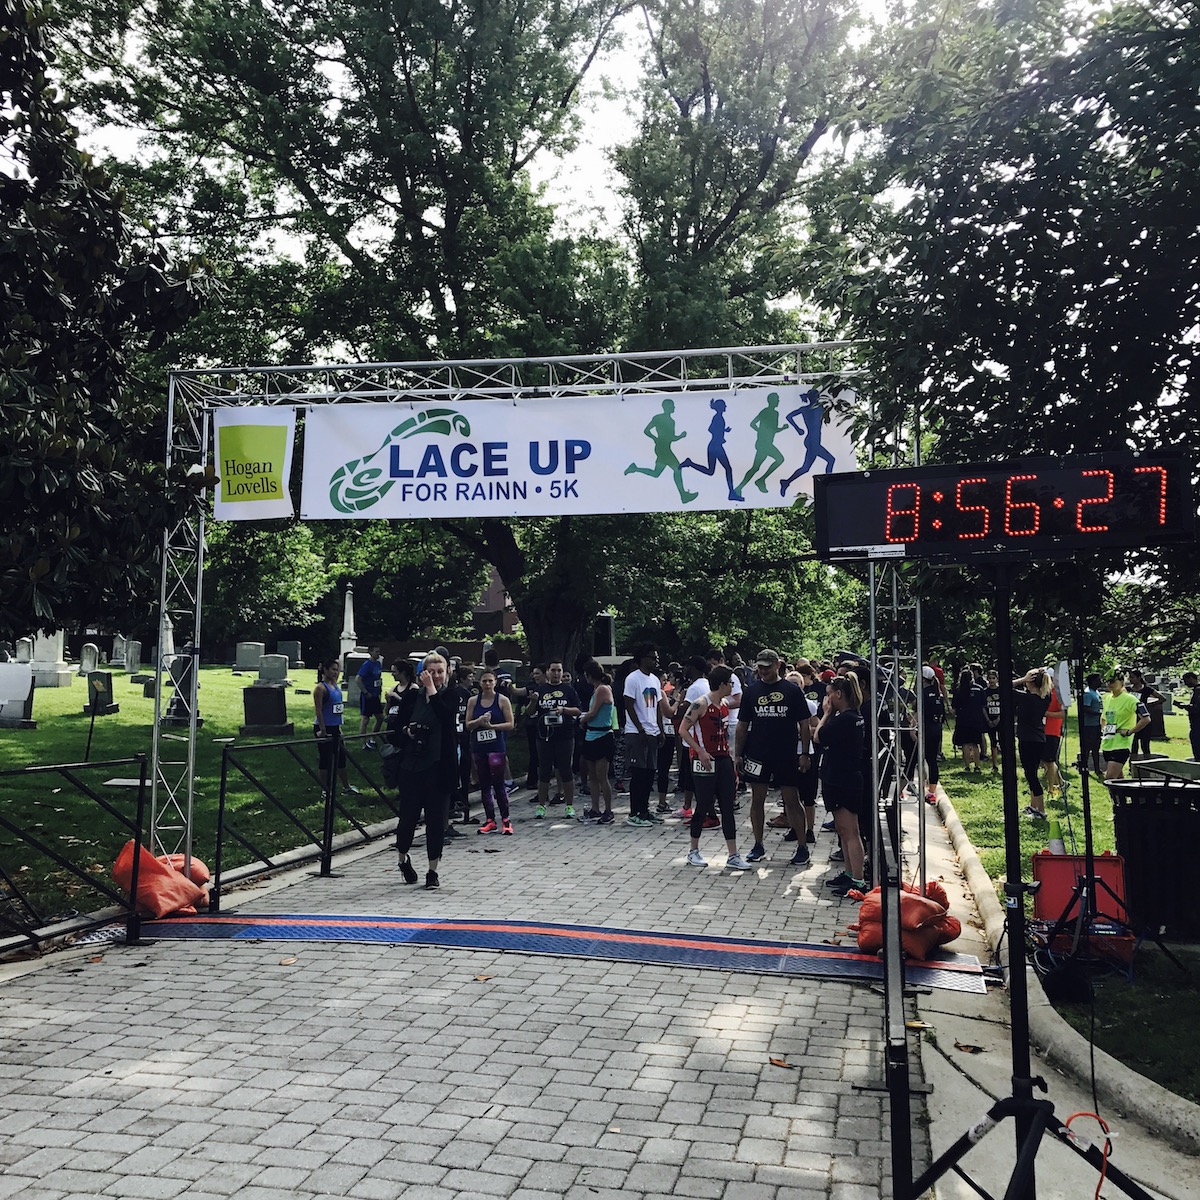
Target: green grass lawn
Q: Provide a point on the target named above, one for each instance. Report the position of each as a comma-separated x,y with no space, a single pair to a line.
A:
1162,1004
75,825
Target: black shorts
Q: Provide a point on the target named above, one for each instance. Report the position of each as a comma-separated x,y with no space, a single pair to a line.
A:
555,754
783,770
1050,748
1117,756
837,796
325,753
369,706
599,749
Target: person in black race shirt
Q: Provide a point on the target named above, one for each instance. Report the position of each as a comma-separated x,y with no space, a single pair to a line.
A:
1191,706
970,704
933,713
1031,699
991,712
841,735
772,721
1150,696
428,769
462,689
557,709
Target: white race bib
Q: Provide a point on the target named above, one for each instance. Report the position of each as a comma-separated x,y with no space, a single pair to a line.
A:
751,768
698,768
337,708
485,735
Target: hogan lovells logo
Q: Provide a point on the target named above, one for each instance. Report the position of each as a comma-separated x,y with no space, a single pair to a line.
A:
475,472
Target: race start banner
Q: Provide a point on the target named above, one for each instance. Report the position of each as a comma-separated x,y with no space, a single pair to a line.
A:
750,447
253,459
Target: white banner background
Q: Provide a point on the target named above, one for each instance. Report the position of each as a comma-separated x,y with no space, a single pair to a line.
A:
753,447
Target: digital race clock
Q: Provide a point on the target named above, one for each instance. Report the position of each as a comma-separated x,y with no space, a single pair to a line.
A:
1035,506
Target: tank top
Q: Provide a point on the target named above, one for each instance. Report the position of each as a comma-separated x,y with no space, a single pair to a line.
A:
712,730
601,725
1054,717
489,741
331,706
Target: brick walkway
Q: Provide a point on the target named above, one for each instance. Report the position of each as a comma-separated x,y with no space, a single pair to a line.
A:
216,1069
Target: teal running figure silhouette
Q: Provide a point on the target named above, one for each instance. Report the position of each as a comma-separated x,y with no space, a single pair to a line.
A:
717,429
661,431
765,425
812,413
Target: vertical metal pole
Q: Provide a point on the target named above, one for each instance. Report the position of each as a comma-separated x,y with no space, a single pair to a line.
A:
335,733
198,606
919,717
872,729
1014,889
133,922
214,896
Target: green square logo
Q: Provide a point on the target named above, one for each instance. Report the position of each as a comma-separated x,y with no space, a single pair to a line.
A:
250,462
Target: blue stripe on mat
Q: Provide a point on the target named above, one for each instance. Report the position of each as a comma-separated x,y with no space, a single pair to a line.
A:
952,972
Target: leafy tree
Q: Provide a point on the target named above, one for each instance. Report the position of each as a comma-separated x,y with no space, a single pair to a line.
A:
82,498
735,101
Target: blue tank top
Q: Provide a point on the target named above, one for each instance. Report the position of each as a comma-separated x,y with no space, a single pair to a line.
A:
489,741
601,725
331,707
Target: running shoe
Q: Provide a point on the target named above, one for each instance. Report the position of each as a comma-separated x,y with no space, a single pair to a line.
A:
370,744
539,812
696,859
844,888
353,790
557,798
639,822
735,862
663,807
790,836
827,826
757,854
810,838
605,818
506,827
655,818
508,786
569,812
684,814
712,823
489,826
840,878
801,858
592,814
779,822
837,856
451,832
432,883
1036,813
408,871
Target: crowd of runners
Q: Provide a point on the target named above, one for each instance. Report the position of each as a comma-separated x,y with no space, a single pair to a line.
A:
696,740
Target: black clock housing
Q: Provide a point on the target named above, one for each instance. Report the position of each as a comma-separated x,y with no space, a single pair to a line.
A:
1035,506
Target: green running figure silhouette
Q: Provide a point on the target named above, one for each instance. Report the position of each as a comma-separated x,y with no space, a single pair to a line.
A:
661,431
766,425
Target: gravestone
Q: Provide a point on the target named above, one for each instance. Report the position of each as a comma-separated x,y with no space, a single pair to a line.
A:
133,656
294,654
265,708
178,709
49,667
247,655
16,696
100,695
119,650
24,652
89,658
352,686
273,669
149,686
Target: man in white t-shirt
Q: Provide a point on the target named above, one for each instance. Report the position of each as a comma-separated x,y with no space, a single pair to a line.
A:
643,734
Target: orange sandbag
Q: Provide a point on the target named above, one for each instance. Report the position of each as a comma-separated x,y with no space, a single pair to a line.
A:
199,874
936,891
919,943
161,889
924,922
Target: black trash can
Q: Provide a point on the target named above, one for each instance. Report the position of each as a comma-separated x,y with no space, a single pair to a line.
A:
1157,823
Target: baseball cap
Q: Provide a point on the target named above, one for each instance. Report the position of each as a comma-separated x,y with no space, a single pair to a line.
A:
767,658
928,673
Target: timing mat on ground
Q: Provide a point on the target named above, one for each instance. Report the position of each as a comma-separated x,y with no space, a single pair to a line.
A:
952,972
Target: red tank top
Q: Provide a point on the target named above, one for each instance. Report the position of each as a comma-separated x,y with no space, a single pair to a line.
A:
711,730
1054,716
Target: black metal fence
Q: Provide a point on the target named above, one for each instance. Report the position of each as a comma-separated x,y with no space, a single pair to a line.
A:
276,812
60,836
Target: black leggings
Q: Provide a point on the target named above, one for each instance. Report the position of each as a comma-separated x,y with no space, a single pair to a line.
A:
666,756
1030,754
718,786
423,791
